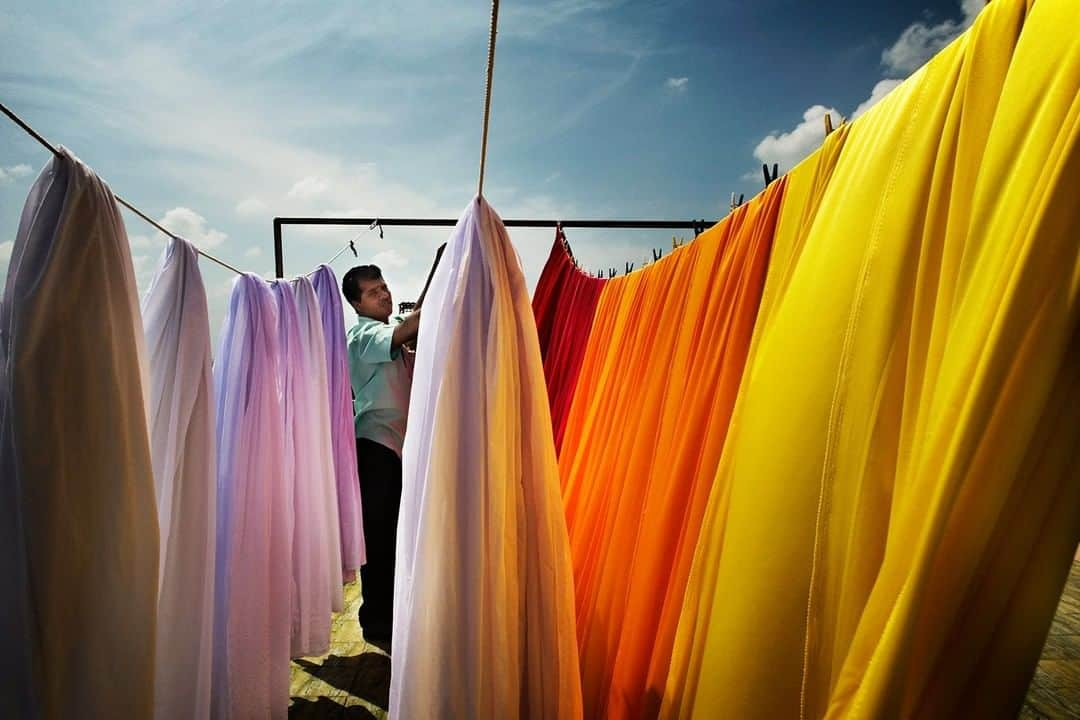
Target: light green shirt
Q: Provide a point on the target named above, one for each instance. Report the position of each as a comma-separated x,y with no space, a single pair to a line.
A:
381,382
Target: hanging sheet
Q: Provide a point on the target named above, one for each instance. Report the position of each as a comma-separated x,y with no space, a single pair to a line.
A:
483,597
177,327
643,441
904,482
79,530
342,434
254,541
564,304
316,542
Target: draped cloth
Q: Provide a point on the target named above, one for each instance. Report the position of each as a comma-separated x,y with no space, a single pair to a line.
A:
254,540
903,481
564,304
342,435
182,445
316,544
643,440
77,520
483,596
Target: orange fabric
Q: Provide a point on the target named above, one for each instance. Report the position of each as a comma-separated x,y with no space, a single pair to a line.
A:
643,439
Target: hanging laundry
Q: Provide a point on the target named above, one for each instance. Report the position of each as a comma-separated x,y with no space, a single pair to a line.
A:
79,529
177,328
643,441
483,596
254,544
350,518
564,304
908,416
316,542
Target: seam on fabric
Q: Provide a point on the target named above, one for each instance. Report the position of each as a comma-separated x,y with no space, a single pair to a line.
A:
836,409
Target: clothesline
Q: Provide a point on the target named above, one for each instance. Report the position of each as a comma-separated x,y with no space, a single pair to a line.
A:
698,226
52,148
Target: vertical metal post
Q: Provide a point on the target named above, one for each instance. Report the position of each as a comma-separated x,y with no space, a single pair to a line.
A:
279,252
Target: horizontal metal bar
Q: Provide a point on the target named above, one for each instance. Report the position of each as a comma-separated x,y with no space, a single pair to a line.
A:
451,222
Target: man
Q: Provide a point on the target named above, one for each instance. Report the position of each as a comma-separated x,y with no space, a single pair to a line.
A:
381,372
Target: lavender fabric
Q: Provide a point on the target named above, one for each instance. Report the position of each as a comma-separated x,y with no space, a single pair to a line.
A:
316,571
182,445
252,619
342,434
78,530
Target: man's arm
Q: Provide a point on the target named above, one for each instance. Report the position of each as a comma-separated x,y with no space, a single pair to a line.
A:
406,330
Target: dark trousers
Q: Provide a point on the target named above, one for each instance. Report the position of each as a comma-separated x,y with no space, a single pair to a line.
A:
380,495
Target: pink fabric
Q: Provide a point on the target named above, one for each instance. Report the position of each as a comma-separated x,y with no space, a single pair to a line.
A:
342,432
254,549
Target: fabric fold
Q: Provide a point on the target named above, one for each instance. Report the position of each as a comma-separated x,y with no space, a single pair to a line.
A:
350,516
564,304
79,527
903,415
252,591
182,443
483,596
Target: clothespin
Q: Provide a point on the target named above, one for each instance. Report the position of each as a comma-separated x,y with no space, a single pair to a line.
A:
610,273
736,203
699,227
376,224
770,177
657,254
629,267
352,247
828,124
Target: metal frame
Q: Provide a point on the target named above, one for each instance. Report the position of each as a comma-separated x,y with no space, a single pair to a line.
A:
698,226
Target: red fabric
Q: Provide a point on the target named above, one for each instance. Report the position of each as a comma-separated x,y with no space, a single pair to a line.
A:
564,304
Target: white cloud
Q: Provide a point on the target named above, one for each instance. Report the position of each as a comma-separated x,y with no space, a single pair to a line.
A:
308,187
251,207
883,88
788,148
140,241
12,172
253,252
920,41
191,226
389,258
5,250
678,84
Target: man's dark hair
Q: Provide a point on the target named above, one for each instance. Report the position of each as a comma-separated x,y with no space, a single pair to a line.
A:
350,284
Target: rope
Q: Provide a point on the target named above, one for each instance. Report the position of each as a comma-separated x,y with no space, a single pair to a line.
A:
487,94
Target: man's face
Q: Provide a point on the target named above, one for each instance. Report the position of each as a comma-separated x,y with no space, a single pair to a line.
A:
375,301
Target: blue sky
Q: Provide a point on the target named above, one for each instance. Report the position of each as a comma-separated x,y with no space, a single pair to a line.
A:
214,117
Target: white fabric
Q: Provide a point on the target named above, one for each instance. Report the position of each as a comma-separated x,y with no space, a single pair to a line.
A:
254,536
323,477
184,455
483,596
79,530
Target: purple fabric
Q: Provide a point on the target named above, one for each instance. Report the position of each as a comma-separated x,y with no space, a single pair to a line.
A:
343,433
254,530
316,572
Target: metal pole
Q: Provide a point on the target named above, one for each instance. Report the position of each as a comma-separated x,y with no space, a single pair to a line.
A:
279,252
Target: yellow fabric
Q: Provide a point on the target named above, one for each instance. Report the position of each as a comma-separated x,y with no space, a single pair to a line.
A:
643,438
898,500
